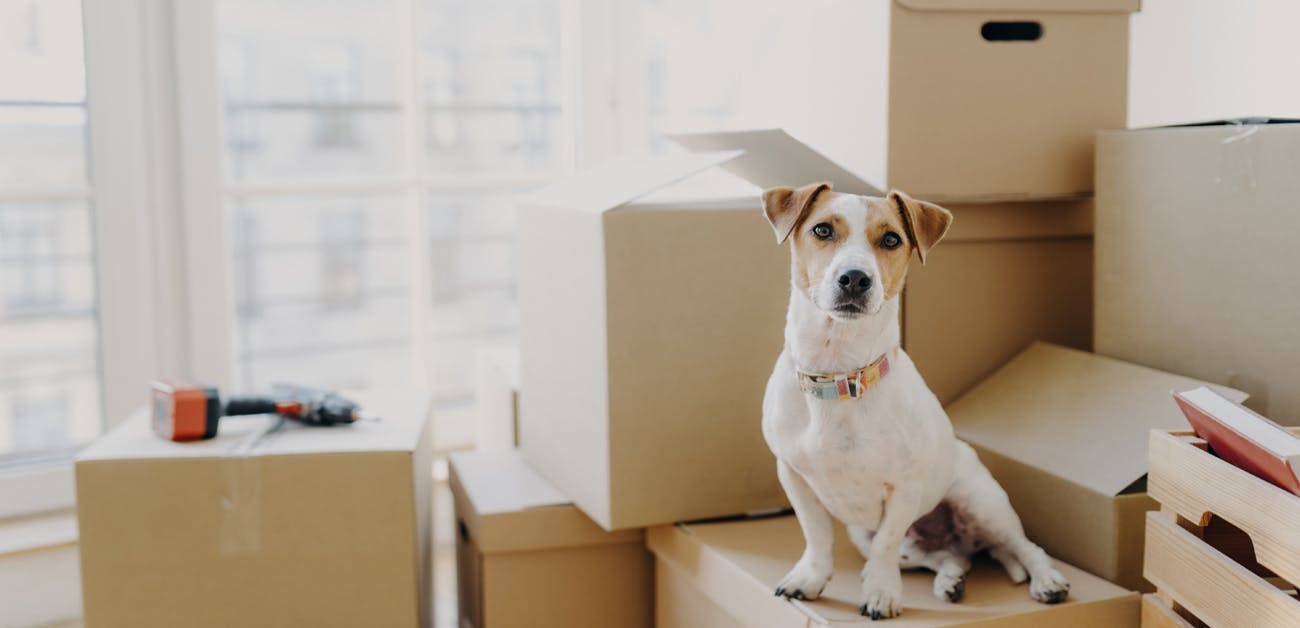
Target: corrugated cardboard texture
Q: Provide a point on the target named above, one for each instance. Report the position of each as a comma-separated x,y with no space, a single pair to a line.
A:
736,565
1007,275
1063,431
338,538
1008,119
662,345
527,557
1197,256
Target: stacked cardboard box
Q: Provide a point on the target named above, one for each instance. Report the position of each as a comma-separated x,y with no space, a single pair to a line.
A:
526,556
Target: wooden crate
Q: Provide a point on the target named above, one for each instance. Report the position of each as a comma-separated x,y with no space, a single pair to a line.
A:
1158,614
1225,547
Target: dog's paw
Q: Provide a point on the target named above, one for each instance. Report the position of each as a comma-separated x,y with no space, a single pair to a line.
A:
883,591
804,582
1049,587
950,587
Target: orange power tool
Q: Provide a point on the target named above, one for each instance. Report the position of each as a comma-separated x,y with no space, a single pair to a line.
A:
186,412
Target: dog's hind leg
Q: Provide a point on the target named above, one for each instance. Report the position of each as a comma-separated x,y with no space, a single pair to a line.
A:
949,567
983,509
810,575
861,538
1015,570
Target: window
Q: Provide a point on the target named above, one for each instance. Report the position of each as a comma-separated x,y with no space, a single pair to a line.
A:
322,190
369,157
49,373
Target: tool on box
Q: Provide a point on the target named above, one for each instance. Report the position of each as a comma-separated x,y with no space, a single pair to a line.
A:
185,412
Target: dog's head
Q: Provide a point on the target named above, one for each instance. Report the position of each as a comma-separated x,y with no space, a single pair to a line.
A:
851,253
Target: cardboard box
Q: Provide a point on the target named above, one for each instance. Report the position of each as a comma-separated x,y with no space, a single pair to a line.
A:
649,329
1065,432
723,574
260,527
977,116
525,556
496,398
1006,275
673,311
1196,255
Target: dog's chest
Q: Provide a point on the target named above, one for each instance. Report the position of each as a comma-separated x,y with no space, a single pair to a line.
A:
849,455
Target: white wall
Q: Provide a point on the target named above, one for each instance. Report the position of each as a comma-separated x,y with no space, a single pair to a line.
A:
1205,59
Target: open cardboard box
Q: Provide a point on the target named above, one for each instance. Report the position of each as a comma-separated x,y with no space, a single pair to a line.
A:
1196,254
651,316
721,575
526,557
1065,433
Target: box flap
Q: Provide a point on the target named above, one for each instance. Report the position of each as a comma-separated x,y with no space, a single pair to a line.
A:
773,158
618,181
497,482
403,415
1026,6
737,564
1242,121
1074,414
507,506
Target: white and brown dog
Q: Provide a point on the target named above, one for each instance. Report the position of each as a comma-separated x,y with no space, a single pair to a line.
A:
856,432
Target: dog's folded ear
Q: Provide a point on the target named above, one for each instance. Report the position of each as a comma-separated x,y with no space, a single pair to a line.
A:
925,222
785,207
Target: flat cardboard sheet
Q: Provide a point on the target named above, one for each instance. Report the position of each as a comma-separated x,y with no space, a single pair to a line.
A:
1073,414
737,564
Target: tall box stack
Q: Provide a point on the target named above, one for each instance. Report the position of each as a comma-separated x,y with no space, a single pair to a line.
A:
1197,256
649,325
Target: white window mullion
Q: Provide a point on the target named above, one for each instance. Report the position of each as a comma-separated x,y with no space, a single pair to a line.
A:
206,237
124,217
413,116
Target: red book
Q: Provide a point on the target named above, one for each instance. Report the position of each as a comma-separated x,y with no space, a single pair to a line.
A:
1243,438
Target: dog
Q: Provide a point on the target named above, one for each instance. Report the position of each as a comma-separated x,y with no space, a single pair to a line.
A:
856,432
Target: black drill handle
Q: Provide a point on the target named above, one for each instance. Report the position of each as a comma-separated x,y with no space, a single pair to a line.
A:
249,404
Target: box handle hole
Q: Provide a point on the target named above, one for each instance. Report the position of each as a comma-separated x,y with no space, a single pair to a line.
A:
463,530
1011,31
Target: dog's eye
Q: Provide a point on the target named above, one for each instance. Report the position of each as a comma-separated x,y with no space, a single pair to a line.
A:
823,231
890,241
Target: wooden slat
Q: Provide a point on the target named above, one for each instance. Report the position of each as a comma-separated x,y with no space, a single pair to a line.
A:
1157,614
1210,585
1196,485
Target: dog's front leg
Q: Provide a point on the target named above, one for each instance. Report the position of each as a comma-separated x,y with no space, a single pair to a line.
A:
813,571
882,582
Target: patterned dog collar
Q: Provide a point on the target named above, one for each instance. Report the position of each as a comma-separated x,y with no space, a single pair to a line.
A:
850,385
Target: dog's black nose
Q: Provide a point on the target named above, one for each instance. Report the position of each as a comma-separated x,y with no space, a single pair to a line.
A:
855,282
